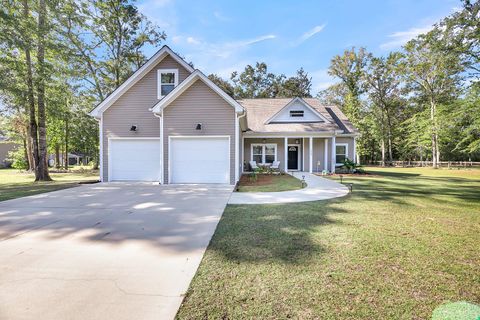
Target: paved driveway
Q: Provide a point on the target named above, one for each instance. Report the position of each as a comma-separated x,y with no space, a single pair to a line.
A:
104,251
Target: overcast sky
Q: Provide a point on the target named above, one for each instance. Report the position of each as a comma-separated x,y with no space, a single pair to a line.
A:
224,36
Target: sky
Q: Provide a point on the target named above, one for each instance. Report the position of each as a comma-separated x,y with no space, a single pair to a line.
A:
224,36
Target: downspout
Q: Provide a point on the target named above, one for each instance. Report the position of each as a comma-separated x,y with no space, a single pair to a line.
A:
238,132
160,117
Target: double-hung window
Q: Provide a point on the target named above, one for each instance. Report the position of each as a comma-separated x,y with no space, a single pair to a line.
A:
341,152
167,81
264,153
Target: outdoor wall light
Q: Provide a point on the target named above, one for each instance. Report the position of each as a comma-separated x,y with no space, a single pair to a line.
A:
134,128
263,141
199,126
297,141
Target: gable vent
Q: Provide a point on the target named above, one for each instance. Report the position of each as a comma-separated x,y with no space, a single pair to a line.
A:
296,113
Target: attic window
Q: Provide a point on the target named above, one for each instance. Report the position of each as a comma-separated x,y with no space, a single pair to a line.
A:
296,113
167,81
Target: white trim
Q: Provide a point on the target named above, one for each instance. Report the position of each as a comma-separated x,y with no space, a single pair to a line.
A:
325,155
263,145
122,138
285,153
291,134
303,154
355,156
298,157
333,156
237,146
162,157
243,153
159,80
101,147
197,137
136,76
297,99
310,155
185,84
343,144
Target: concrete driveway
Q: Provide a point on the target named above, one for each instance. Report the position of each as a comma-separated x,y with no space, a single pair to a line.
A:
104,251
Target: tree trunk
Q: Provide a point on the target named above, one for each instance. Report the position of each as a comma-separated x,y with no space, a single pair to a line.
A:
28,148
42,129
383,151
66,144
33,131
57,156
434,134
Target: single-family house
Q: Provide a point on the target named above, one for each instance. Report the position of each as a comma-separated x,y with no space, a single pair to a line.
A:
169,123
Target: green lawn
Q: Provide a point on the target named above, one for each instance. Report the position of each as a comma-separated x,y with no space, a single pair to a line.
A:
15,184
405,241
269,183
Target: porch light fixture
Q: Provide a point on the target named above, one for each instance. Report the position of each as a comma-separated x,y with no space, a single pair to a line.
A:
134,128
263,141
297,141
199,126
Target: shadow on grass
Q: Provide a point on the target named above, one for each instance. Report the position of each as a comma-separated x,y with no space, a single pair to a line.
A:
271,233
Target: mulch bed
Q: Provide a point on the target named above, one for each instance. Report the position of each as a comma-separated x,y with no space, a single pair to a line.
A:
262,180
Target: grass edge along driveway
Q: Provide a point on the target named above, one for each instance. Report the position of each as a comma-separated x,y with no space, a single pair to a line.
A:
402,244
16,184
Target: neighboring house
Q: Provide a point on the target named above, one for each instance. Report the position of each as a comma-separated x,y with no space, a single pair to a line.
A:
169,123
5,147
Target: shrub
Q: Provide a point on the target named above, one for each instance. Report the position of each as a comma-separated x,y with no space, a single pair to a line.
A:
17,159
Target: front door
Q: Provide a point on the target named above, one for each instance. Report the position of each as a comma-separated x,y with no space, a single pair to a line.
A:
292,157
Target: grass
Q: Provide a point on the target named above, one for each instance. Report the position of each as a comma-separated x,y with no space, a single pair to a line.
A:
16,184
405,241
269,183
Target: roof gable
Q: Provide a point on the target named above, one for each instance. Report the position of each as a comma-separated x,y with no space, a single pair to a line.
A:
182,87
161,54
297,104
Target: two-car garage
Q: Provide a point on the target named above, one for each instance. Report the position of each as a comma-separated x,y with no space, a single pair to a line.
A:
189,159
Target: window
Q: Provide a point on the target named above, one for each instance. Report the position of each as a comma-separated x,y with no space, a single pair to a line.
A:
296,113
167,81
341,152
264,153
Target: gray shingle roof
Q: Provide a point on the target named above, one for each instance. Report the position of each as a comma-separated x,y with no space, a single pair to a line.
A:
259,111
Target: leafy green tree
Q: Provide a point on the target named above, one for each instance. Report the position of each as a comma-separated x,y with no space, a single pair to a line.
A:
296,86
434,77
222,84
383,80
256,82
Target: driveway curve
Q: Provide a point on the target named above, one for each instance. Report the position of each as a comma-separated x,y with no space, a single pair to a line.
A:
318,188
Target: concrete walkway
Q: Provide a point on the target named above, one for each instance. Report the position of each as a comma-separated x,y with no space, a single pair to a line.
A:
318,188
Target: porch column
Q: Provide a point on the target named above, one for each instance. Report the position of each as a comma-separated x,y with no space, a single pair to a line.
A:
334,155
310,154
355,158
286,153
325,154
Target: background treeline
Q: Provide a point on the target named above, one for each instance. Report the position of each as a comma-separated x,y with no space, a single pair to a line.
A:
58,59
420,103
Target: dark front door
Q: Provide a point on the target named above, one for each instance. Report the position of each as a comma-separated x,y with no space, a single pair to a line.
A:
292,158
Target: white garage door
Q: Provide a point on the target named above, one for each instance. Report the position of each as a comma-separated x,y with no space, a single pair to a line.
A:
134,159
199,160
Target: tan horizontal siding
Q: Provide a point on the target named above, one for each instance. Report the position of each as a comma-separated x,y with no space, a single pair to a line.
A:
132,109
199,104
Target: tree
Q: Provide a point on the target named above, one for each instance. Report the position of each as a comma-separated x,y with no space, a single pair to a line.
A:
296,86
434,77
106,38
383,80
222,84
256,82
349,68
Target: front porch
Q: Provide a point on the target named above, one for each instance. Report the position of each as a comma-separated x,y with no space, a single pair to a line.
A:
309,154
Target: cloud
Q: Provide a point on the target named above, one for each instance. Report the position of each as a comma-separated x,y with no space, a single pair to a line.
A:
192,40
399,38
220,16
310,33
321,80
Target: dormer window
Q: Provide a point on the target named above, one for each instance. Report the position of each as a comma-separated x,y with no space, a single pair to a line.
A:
296,113
167,81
